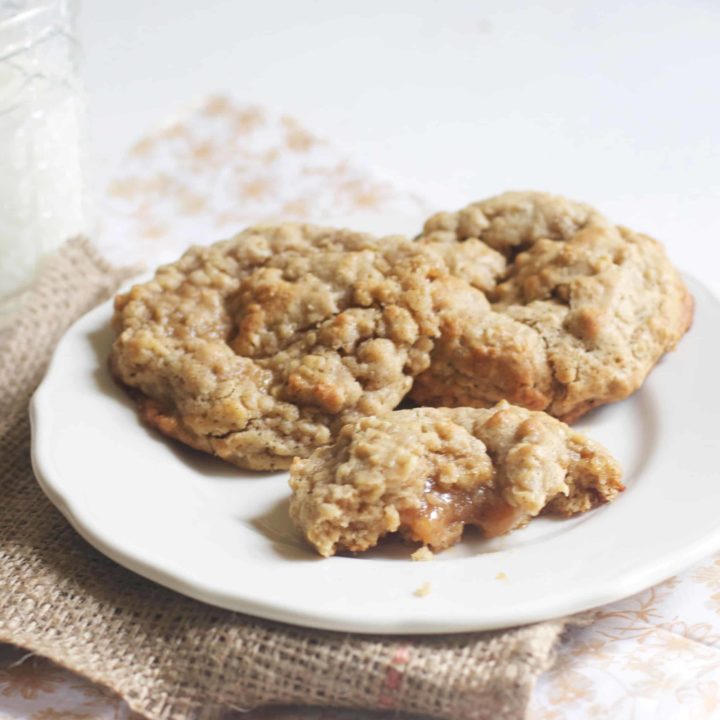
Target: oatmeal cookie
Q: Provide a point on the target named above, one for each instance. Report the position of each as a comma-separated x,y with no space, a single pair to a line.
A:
259,348
428,472
582,309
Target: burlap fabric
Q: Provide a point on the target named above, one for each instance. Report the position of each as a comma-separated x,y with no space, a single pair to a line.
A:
172,657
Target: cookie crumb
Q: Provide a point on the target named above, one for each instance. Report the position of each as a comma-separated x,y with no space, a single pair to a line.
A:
423,553
423,590
501,576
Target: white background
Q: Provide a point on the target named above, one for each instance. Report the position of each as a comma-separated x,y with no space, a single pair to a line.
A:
614,103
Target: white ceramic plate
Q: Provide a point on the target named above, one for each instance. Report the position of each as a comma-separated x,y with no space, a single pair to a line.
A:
218,534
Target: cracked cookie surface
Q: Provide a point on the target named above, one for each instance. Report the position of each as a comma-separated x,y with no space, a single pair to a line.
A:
428,472
582,309
257,349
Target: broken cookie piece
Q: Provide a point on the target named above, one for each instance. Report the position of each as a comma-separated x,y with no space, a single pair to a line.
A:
428,472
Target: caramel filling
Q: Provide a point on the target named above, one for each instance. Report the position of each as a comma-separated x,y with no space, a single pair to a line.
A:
439,520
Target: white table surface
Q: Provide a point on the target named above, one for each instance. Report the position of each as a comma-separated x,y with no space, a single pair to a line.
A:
615,103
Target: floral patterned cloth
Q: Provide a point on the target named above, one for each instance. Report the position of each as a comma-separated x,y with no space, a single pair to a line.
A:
221,166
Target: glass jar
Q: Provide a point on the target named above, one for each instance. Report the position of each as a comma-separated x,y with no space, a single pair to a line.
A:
42,135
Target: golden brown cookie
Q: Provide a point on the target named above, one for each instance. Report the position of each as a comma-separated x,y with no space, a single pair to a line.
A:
428,472
259,348
581,309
